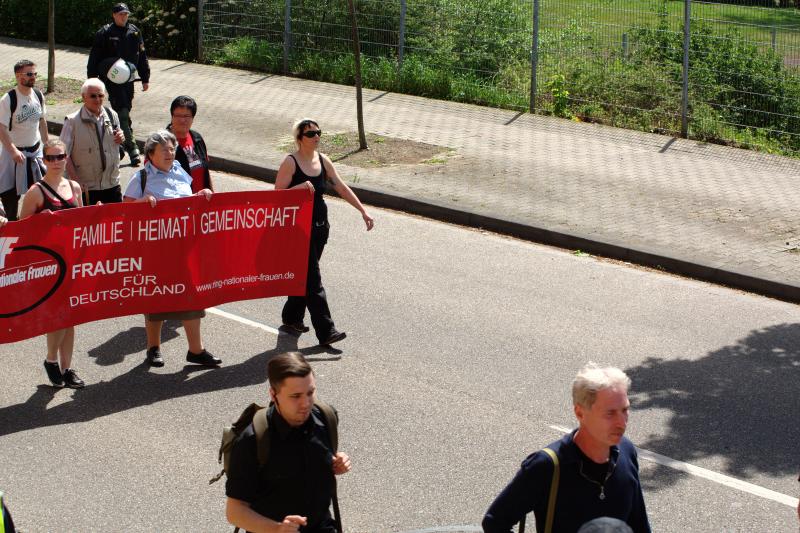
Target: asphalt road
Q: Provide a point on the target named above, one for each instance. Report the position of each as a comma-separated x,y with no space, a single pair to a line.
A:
461,348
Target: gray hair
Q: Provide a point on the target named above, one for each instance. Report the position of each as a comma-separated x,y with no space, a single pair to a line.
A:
592,379
299,127
92,82
158,138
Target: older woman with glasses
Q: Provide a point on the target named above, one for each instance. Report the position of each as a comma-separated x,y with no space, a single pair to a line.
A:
306,168
55,193
191,151
162,178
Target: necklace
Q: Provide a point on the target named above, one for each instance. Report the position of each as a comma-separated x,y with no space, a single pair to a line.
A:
601,483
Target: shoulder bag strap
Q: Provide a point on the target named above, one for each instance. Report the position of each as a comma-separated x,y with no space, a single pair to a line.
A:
111,117
261,427
143,179
551,501
12,102
54,193
332,423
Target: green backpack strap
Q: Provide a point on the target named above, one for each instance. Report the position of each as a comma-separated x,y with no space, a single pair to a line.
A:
551,501
2,514
331,422
261,427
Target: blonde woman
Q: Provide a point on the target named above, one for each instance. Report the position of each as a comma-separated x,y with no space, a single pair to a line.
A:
306,168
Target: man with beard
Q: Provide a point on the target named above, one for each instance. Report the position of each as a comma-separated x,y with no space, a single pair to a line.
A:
23,130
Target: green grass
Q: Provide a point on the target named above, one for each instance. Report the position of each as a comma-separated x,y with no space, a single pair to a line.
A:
583,72
610,19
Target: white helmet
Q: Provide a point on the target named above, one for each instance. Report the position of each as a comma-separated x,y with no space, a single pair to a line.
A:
121,72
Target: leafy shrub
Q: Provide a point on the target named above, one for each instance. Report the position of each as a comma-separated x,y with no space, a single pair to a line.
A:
169,26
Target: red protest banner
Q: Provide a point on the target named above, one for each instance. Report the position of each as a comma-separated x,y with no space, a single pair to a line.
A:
79,265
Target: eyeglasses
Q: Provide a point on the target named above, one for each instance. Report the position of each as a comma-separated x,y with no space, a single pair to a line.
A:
96,96
55,157
31,74
312,133
182,116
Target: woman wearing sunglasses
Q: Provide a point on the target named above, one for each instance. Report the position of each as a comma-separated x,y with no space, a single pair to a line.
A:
306,168
55,193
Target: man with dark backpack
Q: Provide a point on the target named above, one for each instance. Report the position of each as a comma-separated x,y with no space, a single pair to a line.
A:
282,465
23,131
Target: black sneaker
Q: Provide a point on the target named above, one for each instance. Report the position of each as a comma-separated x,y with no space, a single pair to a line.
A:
203,358
154,356
296,327
72,380
54,373
335,336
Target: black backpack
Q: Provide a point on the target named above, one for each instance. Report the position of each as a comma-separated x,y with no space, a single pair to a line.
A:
12,96
257,415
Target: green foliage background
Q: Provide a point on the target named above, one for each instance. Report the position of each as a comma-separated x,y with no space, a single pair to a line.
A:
78,20
478,51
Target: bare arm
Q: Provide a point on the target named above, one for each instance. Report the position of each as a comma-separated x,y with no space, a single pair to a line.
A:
284,177
242,516
343,190
43,130
77,191
5,139
31,202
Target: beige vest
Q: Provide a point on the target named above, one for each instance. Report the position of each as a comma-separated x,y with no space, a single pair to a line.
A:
97,166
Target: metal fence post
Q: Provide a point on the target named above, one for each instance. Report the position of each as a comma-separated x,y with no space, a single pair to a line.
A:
401,39
287,35
201,4
774,38
687,15
624,46
534,55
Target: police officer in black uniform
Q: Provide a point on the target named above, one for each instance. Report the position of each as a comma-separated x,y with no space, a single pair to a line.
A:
112,42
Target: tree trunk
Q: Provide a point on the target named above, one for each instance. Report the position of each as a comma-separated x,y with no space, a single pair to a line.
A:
362,137
51,46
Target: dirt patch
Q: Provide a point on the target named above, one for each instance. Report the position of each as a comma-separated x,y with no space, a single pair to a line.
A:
66,90
342,147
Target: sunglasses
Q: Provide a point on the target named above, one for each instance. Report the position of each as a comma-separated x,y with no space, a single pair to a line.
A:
31,74
55,157
96,95
313,133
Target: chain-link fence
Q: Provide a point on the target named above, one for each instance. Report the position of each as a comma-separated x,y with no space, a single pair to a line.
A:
619,62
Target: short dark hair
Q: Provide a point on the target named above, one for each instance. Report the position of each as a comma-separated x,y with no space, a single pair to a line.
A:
287,365
184,101
22,63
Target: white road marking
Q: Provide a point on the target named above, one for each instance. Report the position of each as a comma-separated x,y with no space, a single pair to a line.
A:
716,477
647,455
242,320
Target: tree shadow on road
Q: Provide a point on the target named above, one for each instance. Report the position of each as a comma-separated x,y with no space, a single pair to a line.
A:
738,403
140,387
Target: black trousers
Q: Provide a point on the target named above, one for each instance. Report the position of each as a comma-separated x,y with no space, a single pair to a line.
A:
315,300
107,196
10,200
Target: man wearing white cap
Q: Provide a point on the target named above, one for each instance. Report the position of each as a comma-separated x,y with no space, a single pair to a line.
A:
117,57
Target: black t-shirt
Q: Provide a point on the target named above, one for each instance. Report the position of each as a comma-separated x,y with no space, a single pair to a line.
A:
298,476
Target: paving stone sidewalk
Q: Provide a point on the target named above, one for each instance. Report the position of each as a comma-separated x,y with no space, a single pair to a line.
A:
723,214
